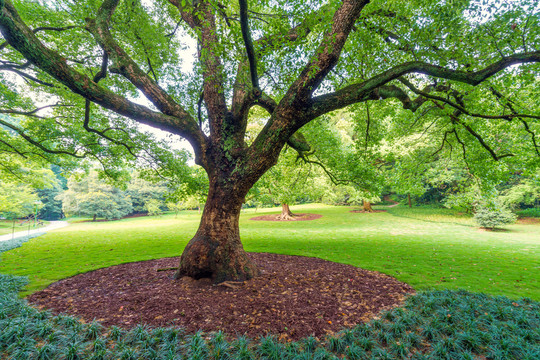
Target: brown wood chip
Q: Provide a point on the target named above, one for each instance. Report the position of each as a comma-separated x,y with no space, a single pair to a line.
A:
293,298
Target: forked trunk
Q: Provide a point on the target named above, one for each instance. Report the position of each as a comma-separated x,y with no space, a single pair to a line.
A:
367,206
216,251
286,213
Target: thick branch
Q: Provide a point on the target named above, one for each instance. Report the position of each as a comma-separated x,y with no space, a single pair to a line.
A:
212,71
462,108
327,54
361,91
243,96
23,40
124,65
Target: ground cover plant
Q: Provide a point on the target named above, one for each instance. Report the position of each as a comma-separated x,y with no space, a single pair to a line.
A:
426,248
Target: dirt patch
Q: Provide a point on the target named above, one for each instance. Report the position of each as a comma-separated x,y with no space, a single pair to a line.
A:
293,298
297,217
368,212
528,221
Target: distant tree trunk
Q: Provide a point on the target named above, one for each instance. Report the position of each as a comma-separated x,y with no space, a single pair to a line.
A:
95,216
409,199
286,213
367,206
216,251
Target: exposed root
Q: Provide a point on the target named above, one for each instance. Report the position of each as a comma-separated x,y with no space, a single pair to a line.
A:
286,217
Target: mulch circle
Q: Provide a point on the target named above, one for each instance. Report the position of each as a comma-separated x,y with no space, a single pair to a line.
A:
293,298
368,212
297,217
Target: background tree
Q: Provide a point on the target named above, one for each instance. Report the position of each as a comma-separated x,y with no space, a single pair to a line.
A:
473,61
17,200
90,196
289,181
143,192
20,180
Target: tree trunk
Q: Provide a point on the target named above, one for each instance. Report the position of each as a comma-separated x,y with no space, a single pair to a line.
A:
367,206
286,213
95,216
216,251
409,199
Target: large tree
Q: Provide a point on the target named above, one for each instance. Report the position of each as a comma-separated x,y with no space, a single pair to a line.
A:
298,60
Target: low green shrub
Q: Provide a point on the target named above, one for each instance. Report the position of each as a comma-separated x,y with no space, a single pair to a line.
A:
491,217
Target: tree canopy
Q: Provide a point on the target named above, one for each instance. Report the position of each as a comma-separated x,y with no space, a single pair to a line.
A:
101,69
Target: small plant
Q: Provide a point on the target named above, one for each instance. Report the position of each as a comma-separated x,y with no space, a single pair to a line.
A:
93,330
491,217
354,352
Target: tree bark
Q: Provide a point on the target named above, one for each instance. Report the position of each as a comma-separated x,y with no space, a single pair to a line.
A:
367,206
216,251
95,216
286,213
409,199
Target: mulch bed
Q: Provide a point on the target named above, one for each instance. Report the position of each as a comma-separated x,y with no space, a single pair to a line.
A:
368,212
297,217
293,298
528,220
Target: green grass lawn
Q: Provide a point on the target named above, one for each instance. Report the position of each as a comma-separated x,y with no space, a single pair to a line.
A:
5,226
427,248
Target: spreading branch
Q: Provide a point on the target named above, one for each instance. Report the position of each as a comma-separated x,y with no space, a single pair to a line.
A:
365,90
22,38
38,144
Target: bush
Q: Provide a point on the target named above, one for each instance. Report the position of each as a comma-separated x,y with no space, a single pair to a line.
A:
532,212
492,217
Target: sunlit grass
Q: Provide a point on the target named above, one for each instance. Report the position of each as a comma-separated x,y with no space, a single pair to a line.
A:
427,248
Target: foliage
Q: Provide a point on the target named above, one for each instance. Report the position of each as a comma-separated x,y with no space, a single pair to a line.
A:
289,181
19,179
494,215
531,212
146,195
525,192
446,64
52,205
93,197
17,200
153,207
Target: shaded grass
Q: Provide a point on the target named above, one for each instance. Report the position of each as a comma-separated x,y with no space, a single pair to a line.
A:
427,248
